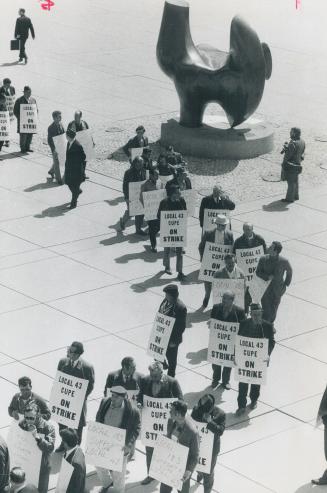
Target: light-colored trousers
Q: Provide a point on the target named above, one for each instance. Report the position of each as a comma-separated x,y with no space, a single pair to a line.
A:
106,477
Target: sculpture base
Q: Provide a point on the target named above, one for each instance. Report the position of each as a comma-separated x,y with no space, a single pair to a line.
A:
249,140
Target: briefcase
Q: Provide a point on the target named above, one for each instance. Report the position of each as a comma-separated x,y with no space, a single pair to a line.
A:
14,44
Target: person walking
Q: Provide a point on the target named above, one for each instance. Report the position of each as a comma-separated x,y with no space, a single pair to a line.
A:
153,224
56,128
134,174
23,27
74,167
25,139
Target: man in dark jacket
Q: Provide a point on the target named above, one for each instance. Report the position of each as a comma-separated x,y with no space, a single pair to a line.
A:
44,434
225,311
139,140
322,418
118,412
249,239
183,430
134,174
180,179
158,385
174,202
206,412
25,139
56,128
291,167
254,327
74,167
18,482
24,398
149,186
22,28
172,306
4,466
74,365
217,200
126,377
74,455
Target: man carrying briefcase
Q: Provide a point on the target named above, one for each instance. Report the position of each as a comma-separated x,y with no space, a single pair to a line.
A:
23,26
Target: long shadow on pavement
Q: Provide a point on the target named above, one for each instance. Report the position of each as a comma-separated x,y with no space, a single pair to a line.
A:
276,206
120,238
147,256
56,211
151,282
42,186
11,155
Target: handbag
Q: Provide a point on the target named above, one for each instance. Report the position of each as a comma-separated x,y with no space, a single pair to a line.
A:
293,168
14,44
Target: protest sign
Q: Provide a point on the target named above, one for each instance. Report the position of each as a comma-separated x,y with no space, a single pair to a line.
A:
210,216
250,356
151,201
173,228
28,121
168,462
206,445
190,198
67,399
10,102
135,205
257,288
104,446
4,125
60,143
24,452
212,260
136,151
222,342
165,178
159,336
130,394
65,474
247,260
237,286
84,137
155,414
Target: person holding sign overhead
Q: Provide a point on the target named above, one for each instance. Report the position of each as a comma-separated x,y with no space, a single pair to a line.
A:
139,140
18,482
258,328
25,139
181,429
217,200
74,365
24,398
173,307
220,236
44,434
135,173
117,411
206,412
74,455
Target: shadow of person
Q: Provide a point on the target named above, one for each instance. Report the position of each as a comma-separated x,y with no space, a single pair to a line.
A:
197,357
192,278
151,282
309,487
10,64
116,201
10,155
197,317
149,488
56,211
147,256
192,398
42,186
276,206
120,237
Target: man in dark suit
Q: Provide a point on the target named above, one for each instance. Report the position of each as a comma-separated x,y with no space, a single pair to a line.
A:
22,28
25,139
18,482
4,466
217,200
126,377
74,167
172,306
221,236
249,239
158,385
74,365
118,412
134,174
322,418
139,140
24,398
75,456
225,311
56,128
181,428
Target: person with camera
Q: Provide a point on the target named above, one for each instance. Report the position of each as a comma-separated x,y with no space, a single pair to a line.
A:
291,167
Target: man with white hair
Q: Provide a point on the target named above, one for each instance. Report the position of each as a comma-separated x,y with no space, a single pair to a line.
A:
217,200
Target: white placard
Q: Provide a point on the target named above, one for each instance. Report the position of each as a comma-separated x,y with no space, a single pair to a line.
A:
247,260
250,356
222,342
213,260
165,178
10,102
28,120
151,202
206,438
24,452
136,151
237,286
65,474
159,336
257,288
173,228
60,143
67,399
210,216
135,205
4,125
155,414
168,462
84,137
104,446
190,198
130,394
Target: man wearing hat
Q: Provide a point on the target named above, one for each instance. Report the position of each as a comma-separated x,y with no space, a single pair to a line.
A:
172,306
221,236
75,366
118,412
217,200
258,328
139,140
74,166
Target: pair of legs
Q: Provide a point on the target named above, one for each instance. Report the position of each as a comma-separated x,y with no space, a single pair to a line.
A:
138,221
1,144
243,392
179,259
171,355
209,478
25,141
22,52
216,375
115,478
292,187
207,293
76,191
323,479
270,303
164,488
54,171
153,231
44,479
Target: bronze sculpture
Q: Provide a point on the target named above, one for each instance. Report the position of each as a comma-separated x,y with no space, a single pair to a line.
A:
204,74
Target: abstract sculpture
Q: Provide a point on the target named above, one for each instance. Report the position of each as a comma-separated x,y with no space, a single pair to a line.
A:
203,74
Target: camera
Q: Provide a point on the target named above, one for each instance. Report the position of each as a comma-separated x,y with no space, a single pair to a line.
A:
285,146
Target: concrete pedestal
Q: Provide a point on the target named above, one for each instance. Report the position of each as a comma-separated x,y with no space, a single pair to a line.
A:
216,140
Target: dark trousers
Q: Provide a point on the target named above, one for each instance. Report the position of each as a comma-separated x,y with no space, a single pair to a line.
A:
138,220
1,144
216,375
153,231
171,355
292,187
44,479
209,479
25,141
270,303
22,52
79,432
164,488
148,453
243,392
75,190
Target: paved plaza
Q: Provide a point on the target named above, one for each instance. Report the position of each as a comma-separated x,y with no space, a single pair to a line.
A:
70,275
